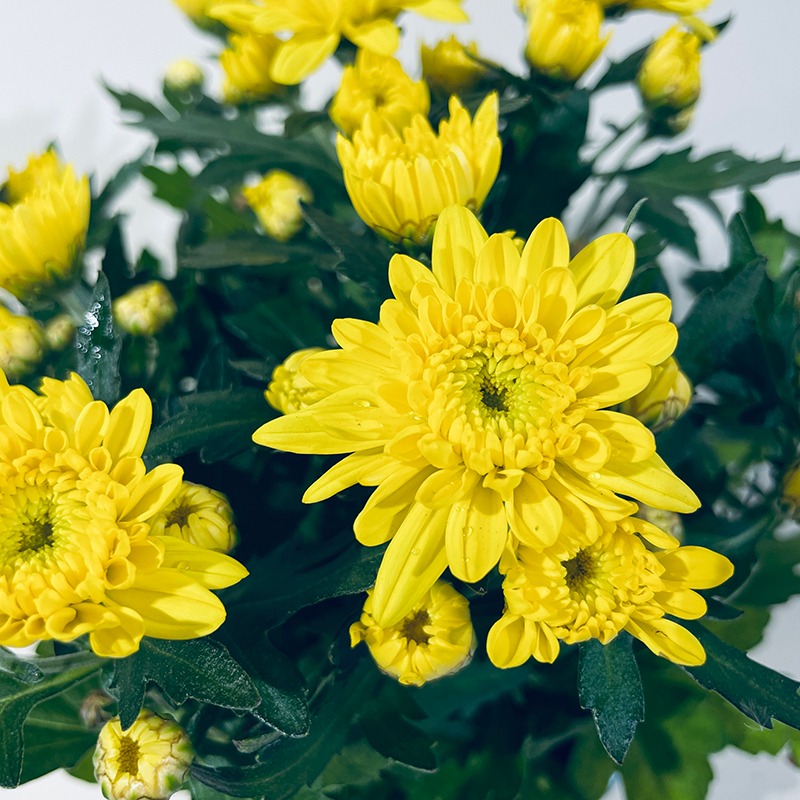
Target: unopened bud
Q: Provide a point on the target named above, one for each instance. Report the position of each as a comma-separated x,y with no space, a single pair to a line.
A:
21,344
276,201
290,390
664,399
183,75
59,332
448,67
670,74
145,309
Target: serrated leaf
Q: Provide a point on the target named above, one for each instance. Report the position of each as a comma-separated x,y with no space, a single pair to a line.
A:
98,346
610,686
757,691
198,668
289,764
174,188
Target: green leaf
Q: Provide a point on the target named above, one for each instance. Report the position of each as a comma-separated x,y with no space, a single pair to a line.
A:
198,668
174,188
223,418
610,686
757,691
98,346
20,668
623,71
17,699
289,764
256,251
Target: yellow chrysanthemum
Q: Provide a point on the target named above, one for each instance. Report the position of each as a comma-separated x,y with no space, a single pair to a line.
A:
276,201
246,64
681,7
477,405
76,505
670,73
448,67
149,760
564,36
200,516
377,83
145,310
21,344
310,30
572,594
664,399
288,390
399,183
43,226
434,639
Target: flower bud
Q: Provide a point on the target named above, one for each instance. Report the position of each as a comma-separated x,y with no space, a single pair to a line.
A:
448,67
198,515
435,639
149,760
21,344
664,399
276,201
670,74
59,332
246,64
145,309
183,75
564,37
290,390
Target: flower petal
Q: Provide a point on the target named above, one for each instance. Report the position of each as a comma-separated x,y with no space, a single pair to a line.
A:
668,639
457,241
129,425
603,269
546,247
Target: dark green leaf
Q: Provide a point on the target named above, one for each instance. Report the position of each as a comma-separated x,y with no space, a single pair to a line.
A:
198,668
393,736
610,686
98,346
135,104
174,188
757,691
623,71
244,252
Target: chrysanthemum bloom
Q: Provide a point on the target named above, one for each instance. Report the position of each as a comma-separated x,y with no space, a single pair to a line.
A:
59,332
670,73
21,344
145,310
664,399
198,515
434,639
183,75
276,201
76,504
448,67
399,183
289,390
246,64
477,405
310,30
42,226
149,761
572,594
681,7
564,37
377,83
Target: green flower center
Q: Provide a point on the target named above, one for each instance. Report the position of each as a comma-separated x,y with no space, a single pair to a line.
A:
128,760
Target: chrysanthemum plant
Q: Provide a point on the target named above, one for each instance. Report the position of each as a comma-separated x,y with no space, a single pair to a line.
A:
418,411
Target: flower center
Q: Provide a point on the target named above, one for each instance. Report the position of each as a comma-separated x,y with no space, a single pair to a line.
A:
493,396
128,760
414,627
580,570
178,516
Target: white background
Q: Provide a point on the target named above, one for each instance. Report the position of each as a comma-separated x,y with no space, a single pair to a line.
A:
54,55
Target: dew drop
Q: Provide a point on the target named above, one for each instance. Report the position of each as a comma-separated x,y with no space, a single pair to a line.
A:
415,551
594,476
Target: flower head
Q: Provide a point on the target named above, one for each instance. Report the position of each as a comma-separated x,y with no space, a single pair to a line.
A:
310,30
21,344
289,390
246,64
670,73
434,639
43,226
576,593
150,759
276,201
564,37
399,183
377,83
145,310
76,507
447,66
198,515
664,399
478,405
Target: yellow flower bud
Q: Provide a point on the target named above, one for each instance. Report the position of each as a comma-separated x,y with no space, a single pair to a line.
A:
59,332
21,344
246,63
435,639
145,309
457,166
198,515
377,83
149,760
664,399
670,73
276,201
43,226
448,67
183,75
290,390
564,37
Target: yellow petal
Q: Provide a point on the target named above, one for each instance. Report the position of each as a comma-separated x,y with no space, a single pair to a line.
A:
534,515
301,55
341,475
90,426
668,639
211,569
153,492
603,269
510,641
457,241
546,247
684,603
378,36
699,567
129,425
404,274
497,263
